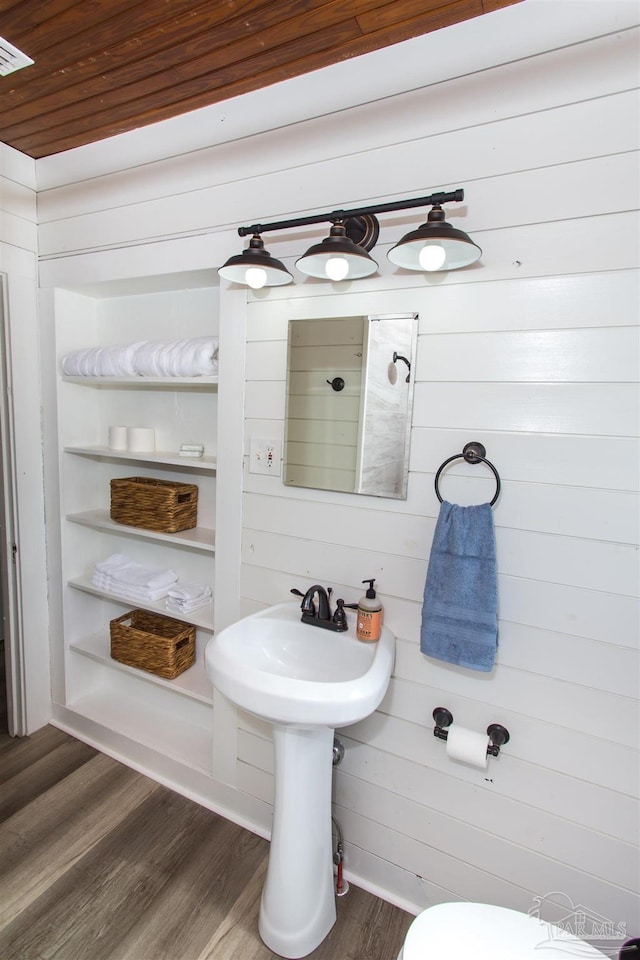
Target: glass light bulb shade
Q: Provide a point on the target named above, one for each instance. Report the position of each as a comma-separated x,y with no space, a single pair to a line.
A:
459,249
252,265
337,246
432,256
256,277
337,268
316,266
236,272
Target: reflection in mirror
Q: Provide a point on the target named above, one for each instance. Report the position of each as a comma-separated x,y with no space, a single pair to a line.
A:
349,403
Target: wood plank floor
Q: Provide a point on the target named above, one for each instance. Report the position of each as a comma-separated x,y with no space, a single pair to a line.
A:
97,862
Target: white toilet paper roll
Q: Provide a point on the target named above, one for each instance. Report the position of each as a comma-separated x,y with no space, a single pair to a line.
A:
141,439
467,746
117,438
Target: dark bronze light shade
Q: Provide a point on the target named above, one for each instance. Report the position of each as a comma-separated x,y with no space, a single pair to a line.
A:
337,257
436,245
255,267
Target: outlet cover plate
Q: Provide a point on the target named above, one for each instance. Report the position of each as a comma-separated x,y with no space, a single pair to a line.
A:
264,456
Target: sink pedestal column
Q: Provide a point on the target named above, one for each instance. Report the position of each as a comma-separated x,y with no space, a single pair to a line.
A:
298,901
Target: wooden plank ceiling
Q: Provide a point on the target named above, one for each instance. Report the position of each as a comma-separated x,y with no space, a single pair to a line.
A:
103,67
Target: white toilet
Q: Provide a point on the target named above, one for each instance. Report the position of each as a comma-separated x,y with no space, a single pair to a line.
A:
461,931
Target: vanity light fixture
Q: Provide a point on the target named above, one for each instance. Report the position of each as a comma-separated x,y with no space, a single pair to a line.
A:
344,254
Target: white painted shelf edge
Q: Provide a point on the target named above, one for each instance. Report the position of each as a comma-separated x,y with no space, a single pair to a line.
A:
143,381
193,683
198,538
160,731
202,618
167,457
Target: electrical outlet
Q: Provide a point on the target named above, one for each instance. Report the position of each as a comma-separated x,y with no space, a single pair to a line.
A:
264,456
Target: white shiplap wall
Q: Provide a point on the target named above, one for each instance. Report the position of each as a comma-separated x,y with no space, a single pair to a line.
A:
533,352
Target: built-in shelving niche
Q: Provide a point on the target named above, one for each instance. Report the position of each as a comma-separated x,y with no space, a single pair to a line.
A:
170,717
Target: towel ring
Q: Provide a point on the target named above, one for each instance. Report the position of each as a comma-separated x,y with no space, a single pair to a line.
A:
472,452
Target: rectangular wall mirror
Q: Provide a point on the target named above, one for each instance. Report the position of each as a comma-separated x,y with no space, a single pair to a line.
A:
349,403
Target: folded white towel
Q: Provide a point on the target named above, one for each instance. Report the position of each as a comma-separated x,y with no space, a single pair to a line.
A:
134,576
137,576
186,606
113,561
109,585
184,590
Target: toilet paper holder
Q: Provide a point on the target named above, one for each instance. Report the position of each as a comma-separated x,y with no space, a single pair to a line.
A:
498,735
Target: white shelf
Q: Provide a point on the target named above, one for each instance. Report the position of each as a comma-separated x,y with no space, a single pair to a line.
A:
197,538
202,618
165,457
193,683
165,732
169,382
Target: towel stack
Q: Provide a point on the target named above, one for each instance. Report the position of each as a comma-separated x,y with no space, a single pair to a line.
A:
186,597
189,357
134,581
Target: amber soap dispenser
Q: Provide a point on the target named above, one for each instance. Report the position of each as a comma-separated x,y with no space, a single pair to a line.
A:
369,618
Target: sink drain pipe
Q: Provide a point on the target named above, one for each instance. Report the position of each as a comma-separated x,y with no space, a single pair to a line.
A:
342,885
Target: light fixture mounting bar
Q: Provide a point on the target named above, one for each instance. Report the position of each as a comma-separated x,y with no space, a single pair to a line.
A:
340,215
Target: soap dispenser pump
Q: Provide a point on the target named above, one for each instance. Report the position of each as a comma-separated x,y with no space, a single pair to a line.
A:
369,620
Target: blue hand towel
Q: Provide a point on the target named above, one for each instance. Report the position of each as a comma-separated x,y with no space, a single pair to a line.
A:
459,613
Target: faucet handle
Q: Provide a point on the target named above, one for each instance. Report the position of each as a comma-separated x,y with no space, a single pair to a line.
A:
340,617
307,605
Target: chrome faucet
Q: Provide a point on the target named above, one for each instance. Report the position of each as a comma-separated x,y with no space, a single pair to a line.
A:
322,616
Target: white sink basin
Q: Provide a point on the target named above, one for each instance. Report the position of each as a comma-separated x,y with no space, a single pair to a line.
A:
289,672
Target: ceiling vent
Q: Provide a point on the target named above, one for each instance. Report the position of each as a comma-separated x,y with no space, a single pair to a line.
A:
11,59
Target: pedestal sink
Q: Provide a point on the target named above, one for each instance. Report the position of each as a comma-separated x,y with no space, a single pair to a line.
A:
306,681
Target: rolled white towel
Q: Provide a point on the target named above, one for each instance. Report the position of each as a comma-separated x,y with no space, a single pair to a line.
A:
145,358
105,362
198,357
71,364
167,357
186,357
117,360
80,363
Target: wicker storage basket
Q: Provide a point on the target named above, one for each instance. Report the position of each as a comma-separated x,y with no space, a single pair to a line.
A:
154,643
162,505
